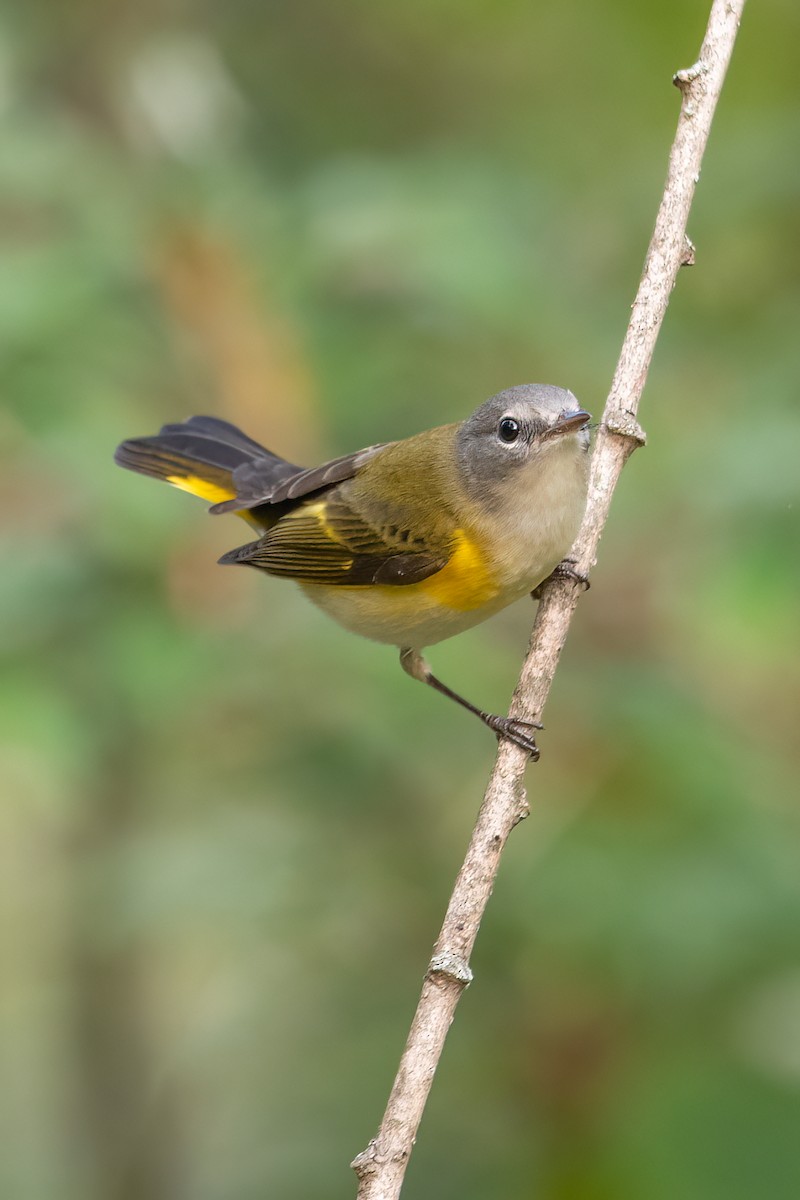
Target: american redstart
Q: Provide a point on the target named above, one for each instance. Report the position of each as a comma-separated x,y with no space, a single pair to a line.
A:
405,542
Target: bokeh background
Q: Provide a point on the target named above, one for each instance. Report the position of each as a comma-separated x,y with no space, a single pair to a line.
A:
228,829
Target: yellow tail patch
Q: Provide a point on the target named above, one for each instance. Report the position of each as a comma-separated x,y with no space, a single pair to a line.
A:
201,487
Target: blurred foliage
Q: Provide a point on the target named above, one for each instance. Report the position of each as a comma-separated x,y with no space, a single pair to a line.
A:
228,829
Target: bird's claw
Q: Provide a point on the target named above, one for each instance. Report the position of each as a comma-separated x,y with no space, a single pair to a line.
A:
565,570
518,732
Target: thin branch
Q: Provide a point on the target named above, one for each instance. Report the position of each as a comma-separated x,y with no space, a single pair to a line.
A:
381,1167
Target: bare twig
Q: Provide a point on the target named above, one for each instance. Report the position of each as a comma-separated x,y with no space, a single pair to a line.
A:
381,1167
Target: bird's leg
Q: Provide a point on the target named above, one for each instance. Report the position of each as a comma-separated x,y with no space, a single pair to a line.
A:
518,732
564,570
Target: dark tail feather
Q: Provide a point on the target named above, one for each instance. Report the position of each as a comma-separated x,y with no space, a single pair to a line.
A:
209,458
221,432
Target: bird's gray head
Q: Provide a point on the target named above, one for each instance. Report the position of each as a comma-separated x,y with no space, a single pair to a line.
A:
523,425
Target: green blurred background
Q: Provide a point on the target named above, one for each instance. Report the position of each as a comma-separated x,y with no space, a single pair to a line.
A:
228,829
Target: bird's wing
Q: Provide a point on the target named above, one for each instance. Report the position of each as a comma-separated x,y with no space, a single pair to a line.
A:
327,541
252,490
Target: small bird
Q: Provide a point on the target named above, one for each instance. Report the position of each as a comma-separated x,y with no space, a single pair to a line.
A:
406,542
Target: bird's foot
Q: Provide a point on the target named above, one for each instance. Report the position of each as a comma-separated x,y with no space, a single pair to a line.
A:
518,732
564,570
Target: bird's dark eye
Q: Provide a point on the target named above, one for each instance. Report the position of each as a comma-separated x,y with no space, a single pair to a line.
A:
508,430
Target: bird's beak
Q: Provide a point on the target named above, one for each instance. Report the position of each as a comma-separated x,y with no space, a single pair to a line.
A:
569,423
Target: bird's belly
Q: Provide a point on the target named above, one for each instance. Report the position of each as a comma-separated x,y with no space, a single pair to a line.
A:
471,587
464,593
403,616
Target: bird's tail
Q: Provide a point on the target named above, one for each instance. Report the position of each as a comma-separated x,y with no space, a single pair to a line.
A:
209,458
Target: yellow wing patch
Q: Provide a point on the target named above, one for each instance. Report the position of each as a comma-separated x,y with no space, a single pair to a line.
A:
324,534
317,509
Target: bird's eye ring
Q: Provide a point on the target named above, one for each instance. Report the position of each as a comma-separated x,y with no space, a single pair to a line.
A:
508,430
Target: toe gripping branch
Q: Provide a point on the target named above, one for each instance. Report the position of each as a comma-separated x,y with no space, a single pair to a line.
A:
566,569
521,733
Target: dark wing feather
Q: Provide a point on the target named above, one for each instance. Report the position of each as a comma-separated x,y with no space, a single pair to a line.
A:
299,483
329,542
335,471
